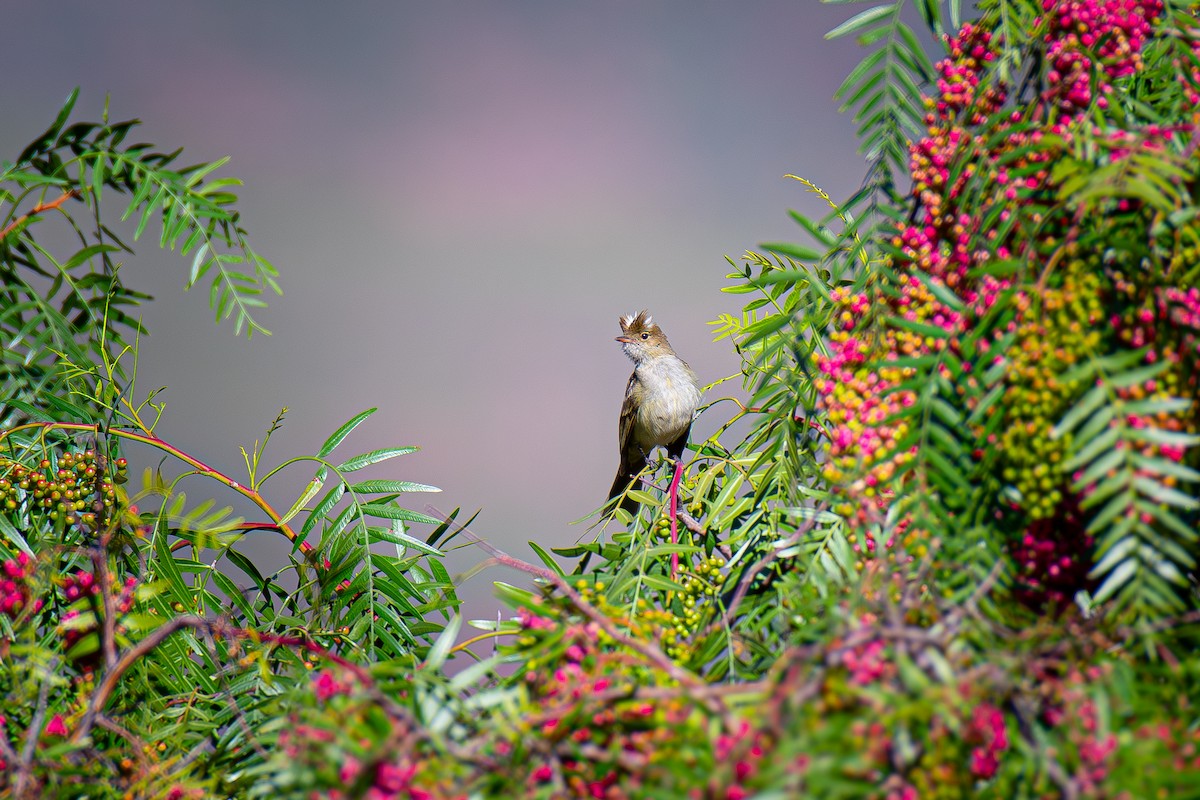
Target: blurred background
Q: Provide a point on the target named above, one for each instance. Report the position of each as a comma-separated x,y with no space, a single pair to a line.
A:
461,198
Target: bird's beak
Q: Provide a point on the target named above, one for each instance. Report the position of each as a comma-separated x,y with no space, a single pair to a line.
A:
624,340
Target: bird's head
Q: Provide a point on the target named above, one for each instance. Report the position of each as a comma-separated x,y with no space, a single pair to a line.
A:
641,339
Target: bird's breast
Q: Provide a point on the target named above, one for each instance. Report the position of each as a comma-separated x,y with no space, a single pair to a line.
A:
670,397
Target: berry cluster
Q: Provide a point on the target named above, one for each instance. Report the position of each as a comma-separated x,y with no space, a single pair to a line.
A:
988,732
79,621
1054,329
341,744
14,587
669,618
1084,35
868,663
74,490
984,191
608,743
745,749
700,585
1075,713
1053,557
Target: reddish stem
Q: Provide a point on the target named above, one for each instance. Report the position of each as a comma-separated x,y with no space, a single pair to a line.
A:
674,507
201,468
38,209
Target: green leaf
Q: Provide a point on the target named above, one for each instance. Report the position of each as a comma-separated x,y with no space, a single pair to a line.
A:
1079,412
440,650
661,583
87,254
322,509
1115,580
310,491
384,486
547,559
1164,466
864,68
919,328
861,20
167,567
234,594
1163,493
396,535
1101,466
793,251
1100,444
392,511
374,457
14,536
68,408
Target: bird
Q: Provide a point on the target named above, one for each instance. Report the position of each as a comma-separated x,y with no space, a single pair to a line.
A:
661,400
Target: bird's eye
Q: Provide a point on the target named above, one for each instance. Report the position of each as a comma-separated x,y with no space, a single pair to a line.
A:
645,336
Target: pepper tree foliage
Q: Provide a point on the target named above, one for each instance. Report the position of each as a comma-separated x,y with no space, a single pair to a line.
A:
953,556
142,648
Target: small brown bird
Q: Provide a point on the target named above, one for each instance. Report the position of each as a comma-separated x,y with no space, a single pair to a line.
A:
660,402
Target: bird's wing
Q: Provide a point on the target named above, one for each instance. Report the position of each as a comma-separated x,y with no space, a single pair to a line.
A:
631,454
628,415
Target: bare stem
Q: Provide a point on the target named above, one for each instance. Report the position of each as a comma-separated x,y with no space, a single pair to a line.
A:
38,209
200,467
643,648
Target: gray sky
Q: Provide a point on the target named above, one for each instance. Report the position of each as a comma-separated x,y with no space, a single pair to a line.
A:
462,198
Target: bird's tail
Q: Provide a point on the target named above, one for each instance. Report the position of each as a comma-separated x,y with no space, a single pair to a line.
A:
621,484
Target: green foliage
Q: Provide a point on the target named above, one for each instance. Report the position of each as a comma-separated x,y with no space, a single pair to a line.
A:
65,173
884,89
946,548
145,647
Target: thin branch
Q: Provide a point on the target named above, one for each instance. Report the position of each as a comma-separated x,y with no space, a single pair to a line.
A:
140,748
971,606
205,746
200,467
34,731
130,657
1131,631
108,635
643,648
6,749
180,544
743,587
38,209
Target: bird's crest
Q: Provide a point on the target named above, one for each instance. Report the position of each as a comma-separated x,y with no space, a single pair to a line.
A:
641,321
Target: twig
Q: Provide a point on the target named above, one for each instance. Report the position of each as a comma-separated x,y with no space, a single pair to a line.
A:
6,749
1061,779
34,731
302,643
111,676
631,693
206,746
108,636
645,649
139,747
1190,617
38,209
692,524
971,606
749,575
200,467
626,759
222,677
24,785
